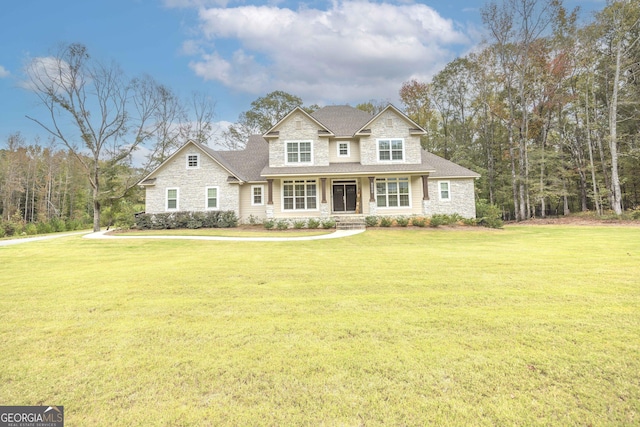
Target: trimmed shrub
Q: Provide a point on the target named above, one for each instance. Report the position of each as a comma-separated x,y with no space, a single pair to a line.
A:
386,221
418,221
299,224
269,224
437,220
193,220
402,221
328,223
282,224
371,221
313,223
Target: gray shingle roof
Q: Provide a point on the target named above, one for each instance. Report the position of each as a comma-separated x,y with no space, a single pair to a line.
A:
248,163
342,120
445,168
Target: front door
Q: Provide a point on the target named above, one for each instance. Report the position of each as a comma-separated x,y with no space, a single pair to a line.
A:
345,195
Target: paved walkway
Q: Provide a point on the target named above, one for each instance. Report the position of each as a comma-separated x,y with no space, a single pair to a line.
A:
335,235
38,238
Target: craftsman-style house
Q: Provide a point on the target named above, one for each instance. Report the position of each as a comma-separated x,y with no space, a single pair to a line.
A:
336,161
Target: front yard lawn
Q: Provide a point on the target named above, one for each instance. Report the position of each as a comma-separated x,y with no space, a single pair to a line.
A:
522,326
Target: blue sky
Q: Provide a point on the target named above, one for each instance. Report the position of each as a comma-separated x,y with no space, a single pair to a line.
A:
326,52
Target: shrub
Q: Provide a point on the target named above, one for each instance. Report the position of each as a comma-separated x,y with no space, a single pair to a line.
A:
31,229
166,221
299,224
488,215
386,221
313,223
10,228
635,214
419,221
371,221
282,224
469,221
227,219
2,232
196,220
44,227
269,224
437,220
328,223
57,224
402,221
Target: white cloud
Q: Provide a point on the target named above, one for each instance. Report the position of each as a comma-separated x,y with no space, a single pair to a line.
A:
47,72
352,51
4,72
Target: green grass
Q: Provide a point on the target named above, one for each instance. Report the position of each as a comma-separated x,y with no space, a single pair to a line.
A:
521,326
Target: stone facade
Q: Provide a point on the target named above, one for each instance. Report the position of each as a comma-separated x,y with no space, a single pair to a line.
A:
235,174
461,198
192,184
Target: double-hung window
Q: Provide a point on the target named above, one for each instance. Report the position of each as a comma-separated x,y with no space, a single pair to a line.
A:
193,161
172,199
212,197
444,190
392,192
299,195
256,195
298,152
343,149
390,149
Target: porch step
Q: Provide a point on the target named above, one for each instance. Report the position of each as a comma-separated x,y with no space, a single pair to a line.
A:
350,223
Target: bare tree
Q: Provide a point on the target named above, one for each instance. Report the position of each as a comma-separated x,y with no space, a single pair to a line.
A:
110,117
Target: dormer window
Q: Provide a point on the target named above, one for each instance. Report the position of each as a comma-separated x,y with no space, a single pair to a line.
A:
298,152
193,161
390,150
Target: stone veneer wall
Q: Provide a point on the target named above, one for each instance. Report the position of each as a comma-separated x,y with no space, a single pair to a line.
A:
191,184
399,129
462,201
289,132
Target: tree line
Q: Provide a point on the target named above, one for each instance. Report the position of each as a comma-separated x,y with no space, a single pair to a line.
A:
547,111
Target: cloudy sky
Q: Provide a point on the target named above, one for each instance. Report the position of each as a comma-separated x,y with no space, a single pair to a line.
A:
326,52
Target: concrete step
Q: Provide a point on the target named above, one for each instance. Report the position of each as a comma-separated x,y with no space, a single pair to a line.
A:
350,223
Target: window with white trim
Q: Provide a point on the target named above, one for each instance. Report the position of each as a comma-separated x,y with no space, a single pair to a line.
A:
392,192
212,198
444,190
172,199
299,195
343,149
193,161
390,149
298,152
257,194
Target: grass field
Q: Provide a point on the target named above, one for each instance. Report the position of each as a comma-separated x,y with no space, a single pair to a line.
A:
522,326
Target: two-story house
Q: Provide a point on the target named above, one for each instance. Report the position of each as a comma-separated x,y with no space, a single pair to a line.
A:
336,161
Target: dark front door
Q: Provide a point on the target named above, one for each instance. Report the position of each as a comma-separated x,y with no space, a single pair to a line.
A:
344,197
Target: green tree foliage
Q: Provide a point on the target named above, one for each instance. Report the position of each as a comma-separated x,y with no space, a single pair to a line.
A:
537,111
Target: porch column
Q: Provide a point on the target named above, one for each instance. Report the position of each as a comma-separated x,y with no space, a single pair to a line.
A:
269,191
323,184
372,189
425,187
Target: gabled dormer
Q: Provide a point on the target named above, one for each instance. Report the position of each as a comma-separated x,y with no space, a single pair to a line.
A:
298,140
390,137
